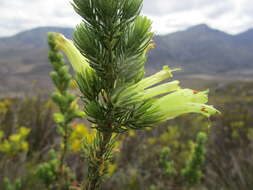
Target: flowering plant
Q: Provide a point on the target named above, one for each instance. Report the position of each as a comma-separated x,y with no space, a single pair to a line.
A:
108,55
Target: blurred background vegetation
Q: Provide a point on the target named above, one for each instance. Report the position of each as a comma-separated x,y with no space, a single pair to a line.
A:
152,160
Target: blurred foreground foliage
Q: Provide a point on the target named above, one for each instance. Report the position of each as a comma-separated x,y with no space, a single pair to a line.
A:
152,160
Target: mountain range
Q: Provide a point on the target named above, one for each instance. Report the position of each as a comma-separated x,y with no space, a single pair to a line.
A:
202,52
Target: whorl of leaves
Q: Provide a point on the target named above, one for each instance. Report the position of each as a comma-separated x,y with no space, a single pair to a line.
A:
114,39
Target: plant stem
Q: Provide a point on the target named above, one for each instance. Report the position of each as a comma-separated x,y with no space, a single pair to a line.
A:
62,176
64,151
94,179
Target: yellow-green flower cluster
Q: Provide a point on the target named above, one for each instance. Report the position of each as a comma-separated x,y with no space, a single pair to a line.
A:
4,104
80,132
169,100
15,143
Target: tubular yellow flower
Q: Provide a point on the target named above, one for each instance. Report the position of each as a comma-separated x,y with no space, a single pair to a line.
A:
142,91
77,60
181,102
161,89
183,96
156,78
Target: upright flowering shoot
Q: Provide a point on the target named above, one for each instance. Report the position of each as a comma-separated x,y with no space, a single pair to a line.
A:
108,54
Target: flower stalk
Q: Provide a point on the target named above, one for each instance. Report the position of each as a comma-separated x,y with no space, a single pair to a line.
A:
68,110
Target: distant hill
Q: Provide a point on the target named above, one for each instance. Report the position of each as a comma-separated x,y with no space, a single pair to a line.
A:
23,59
201,51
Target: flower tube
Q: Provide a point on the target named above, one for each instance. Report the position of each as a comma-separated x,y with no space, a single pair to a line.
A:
161,89
141,91
77,60
156,78
181,102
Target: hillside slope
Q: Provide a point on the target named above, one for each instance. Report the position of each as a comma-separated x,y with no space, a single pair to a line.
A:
201,51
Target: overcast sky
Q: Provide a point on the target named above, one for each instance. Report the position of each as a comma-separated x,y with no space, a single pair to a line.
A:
232,16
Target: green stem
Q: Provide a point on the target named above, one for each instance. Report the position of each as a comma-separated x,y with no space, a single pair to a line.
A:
94,179
62,176
64,152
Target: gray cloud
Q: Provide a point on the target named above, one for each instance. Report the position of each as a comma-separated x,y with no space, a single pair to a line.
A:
232,16
168,15
165,7
18,15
